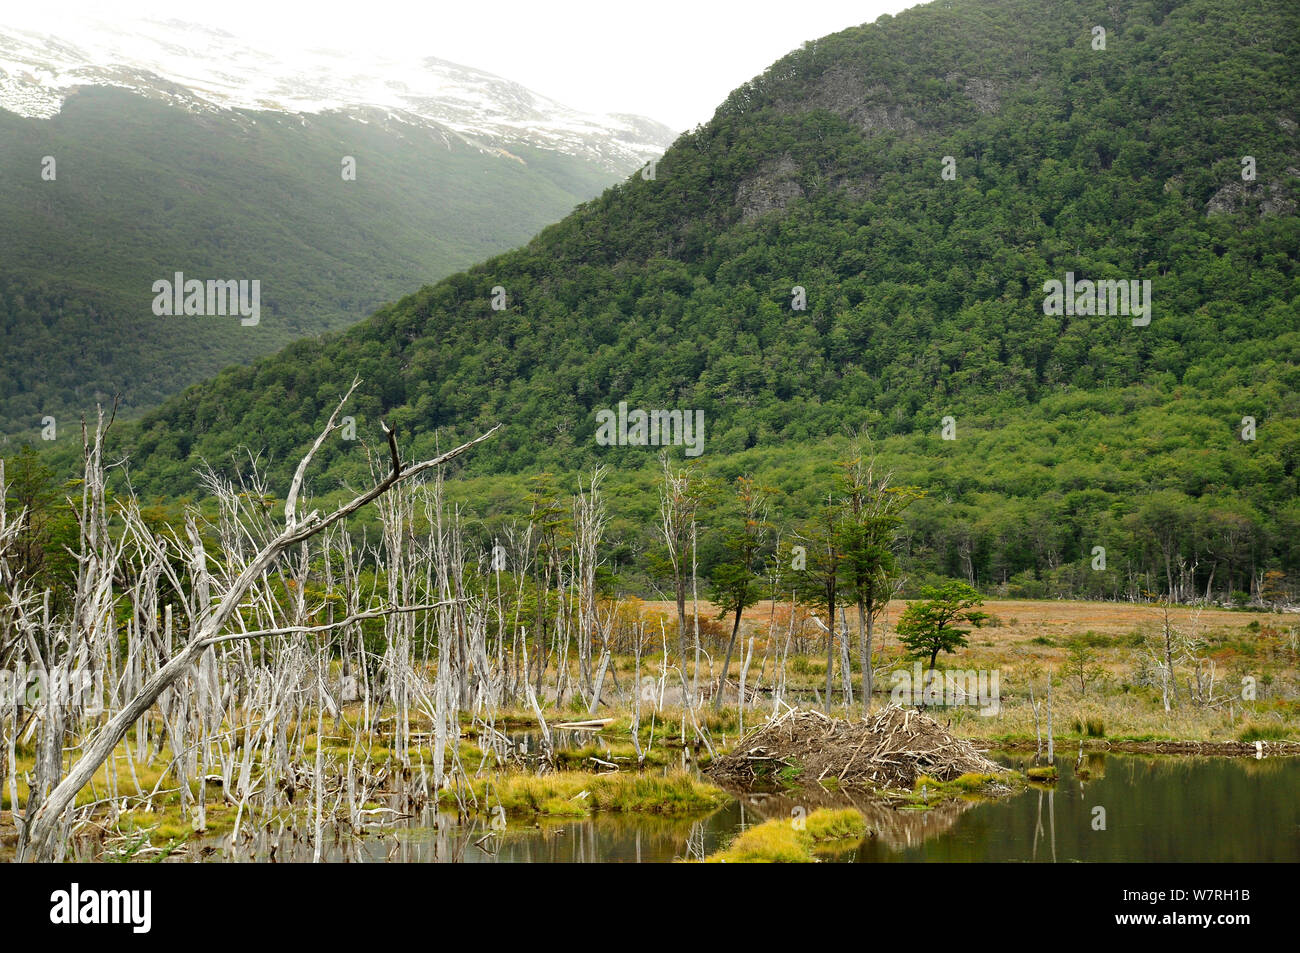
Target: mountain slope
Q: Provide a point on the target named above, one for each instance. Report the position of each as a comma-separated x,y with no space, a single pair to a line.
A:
211,71
152,178
925,295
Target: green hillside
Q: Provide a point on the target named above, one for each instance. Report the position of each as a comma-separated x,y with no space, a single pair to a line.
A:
925,300
143,190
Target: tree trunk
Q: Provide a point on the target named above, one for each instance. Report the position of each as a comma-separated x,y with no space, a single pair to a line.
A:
1051,738
864,652
726,662
830,655
39,835
681,634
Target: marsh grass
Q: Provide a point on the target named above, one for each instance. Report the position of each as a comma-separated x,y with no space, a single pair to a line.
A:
783,841
928,793
1092,727
1120,707
580,793
1255,731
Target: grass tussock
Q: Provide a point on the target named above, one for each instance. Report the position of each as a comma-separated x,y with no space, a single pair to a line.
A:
1092,727
1254,731
971,786
969,783
795,841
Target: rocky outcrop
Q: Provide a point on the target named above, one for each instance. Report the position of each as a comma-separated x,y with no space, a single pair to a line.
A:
774,186
1268,198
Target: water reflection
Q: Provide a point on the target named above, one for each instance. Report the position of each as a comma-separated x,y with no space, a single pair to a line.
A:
1152,808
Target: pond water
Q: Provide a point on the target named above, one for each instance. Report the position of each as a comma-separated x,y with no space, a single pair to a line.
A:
1158,808
1152,808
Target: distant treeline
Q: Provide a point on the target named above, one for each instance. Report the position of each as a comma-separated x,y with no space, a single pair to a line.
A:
1071,540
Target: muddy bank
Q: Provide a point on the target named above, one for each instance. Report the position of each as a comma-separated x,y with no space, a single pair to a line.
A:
1239,749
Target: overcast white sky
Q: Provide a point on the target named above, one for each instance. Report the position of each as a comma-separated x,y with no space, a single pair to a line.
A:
671,60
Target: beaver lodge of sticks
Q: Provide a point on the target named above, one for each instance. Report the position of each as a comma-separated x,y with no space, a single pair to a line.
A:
887,751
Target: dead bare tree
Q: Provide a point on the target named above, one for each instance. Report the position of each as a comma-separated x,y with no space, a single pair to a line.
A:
219,605
1161,655
679,498
589,520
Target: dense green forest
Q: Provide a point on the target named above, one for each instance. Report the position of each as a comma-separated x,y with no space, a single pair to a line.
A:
924,301
144,189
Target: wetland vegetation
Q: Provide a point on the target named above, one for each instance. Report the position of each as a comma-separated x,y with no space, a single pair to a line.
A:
249,682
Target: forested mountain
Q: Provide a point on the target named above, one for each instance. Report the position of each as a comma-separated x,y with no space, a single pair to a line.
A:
1076,155
114,175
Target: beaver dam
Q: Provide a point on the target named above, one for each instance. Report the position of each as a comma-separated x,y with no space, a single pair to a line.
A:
890,751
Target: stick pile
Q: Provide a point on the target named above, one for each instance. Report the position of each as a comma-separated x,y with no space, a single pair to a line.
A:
890,750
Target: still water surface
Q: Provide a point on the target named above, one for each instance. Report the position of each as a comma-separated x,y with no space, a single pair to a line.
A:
1156,808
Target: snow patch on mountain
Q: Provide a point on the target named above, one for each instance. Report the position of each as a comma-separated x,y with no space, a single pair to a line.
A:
206,69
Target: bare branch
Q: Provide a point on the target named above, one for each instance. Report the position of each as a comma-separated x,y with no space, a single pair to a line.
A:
41,827
311,629
291,501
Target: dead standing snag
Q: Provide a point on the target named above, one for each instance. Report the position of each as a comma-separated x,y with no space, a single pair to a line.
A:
38,841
